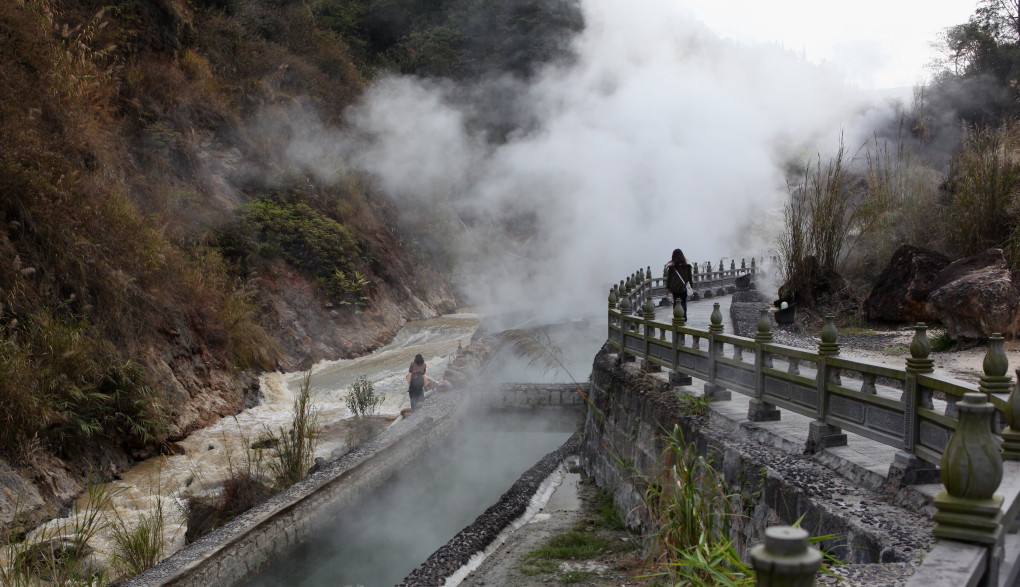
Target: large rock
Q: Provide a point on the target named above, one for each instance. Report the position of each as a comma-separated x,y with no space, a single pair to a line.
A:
975,297
902,289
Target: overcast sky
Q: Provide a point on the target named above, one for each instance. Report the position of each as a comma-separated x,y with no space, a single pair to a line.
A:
876,44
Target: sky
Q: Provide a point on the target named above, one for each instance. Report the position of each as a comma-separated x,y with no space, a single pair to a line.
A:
878,44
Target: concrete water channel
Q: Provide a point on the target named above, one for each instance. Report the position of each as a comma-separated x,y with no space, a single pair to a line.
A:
424,505
375,514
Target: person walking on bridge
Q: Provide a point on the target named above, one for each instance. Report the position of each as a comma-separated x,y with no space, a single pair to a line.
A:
678,276
418,380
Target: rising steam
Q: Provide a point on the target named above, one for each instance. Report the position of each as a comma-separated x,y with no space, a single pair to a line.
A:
660,134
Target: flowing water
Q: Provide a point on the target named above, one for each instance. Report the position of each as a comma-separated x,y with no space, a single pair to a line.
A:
213,453
423,506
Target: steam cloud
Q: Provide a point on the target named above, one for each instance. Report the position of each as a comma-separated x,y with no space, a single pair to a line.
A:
659,135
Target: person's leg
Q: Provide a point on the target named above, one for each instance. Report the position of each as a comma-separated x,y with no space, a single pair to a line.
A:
683,304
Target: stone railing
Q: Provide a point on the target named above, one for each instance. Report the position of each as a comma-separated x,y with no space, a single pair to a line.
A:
943,428
641,286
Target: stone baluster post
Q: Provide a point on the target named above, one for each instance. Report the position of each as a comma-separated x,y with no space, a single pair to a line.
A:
907,468
679,340
743,264
649,316
733,265
695,280
995,381
626,329
821,434
759,410
967,509
785,559
713,390
1011,435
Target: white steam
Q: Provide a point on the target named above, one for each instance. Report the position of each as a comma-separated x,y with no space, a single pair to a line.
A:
660,135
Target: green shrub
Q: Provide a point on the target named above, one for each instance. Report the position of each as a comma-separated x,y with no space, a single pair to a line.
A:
361,398
314,243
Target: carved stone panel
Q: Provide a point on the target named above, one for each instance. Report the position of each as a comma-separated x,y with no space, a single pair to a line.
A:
777,388
934,436
847,408
885,420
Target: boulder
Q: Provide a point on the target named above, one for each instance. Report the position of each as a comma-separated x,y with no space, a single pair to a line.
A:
901,291
975,297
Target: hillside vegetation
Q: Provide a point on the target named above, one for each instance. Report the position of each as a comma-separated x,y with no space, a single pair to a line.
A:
945,175
156,254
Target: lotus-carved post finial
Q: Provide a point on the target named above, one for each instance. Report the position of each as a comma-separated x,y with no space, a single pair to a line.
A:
764,333
679,318
716,319
995,366
971,469
829,333
920,360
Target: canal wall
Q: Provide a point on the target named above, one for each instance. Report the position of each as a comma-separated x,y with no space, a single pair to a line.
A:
773,481
531,395
238,550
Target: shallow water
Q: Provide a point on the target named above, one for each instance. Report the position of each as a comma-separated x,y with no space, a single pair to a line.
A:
426,504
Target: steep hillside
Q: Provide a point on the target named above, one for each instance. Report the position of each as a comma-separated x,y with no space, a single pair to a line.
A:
132,147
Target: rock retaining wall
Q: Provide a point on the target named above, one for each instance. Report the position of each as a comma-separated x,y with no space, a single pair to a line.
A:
624,428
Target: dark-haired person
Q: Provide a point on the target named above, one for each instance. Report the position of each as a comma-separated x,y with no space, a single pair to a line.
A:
678,276
418,380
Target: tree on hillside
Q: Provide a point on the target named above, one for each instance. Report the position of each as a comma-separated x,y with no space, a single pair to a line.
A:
982,57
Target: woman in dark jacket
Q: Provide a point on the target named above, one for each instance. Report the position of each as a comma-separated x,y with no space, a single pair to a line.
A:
417,379
678,276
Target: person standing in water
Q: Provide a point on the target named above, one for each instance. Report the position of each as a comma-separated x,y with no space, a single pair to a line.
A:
678,276
418,380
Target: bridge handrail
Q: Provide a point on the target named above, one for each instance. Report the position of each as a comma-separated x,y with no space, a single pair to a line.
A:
908,408
642,286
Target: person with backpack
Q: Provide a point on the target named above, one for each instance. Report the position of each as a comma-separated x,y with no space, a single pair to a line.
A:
678,275
418,380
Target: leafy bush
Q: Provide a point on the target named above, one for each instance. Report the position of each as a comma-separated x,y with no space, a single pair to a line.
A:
63,385
311,241
361,398
453,38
